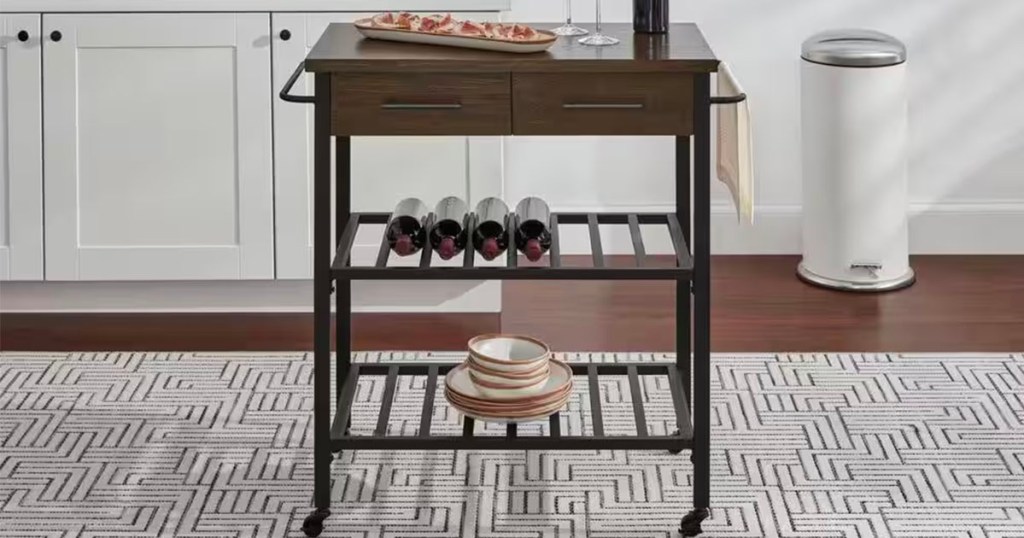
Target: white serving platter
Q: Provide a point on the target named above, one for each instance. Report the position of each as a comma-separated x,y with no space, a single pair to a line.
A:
366,27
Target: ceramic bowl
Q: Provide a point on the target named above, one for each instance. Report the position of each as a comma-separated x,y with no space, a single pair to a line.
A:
509,353
513,379
458,381
506,382
482,367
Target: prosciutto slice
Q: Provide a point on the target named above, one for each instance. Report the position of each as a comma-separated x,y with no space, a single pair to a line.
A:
447,25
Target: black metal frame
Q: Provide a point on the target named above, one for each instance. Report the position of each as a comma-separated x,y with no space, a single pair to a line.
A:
692,407
341,439
555,270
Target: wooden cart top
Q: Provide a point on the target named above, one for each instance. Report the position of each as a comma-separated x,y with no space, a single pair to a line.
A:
683,49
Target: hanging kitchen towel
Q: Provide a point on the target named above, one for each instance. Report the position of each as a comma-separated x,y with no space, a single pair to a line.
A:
735,149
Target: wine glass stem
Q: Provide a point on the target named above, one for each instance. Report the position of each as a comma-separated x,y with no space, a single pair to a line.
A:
568,12
598,2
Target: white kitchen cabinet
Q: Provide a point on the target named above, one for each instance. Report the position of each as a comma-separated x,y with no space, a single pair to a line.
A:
157,139
384,169
21,164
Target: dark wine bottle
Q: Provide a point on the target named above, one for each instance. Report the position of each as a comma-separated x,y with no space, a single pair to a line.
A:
406,233
650,16
489,238
448,236
533,235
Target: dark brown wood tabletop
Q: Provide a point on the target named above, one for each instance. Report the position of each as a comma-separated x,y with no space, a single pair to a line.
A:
683,49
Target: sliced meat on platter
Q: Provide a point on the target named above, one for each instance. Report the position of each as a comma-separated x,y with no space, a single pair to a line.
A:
447,25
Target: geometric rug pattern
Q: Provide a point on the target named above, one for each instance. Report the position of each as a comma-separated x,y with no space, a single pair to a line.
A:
803,445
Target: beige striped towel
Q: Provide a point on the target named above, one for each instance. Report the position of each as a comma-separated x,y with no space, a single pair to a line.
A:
735,149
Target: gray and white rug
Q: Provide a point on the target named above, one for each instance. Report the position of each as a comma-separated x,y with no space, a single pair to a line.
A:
218,445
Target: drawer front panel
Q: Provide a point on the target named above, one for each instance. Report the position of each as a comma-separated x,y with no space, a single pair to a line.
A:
602,104
421,104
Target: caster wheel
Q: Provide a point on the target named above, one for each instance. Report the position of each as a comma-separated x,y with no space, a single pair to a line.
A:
675,451
690,525
314,523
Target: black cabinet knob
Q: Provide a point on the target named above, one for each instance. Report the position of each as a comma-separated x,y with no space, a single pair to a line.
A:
56,35
23,36
286,35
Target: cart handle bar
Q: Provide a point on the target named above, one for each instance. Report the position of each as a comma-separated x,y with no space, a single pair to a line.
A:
724,71
729,99
305,99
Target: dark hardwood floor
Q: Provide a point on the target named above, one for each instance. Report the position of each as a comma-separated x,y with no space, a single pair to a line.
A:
960,303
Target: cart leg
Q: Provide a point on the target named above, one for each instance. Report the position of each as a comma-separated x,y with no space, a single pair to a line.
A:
313,525
690,525
342,287
683,288
683,302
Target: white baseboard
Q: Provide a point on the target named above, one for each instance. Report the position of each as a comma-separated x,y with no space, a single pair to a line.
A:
953,228
244,296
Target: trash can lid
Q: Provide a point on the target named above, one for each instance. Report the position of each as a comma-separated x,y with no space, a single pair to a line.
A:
854,48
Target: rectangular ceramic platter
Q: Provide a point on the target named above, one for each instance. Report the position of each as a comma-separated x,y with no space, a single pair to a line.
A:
388,34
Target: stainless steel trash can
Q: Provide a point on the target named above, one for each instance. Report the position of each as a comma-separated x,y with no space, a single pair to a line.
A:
854,139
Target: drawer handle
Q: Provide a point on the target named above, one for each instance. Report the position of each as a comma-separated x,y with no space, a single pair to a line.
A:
421,106
603,106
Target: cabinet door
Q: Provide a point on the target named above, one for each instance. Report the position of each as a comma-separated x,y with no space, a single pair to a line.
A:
21,154
157,146
384,169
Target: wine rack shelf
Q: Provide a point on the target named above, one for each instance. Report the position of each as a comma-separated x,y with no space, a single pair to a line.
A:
552,268
341,439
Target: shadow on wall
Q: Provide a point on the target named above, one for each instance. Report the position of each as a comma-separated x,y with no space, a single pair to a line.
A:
966,135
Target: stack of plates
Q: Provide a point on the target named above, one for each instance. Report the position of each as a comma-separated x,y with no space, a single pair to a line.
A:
508,379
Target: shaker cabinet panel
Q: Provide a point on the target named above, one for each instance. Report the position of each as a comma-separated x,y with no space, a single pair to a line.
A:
21,165
158,147
384,169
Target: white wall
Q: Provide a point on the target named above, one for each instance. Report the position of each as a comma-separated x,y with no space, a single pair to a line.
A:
966,105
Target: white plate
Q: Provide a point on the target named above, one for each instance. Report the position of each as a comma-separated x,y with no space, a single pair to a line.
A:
543,415
458,381
366,28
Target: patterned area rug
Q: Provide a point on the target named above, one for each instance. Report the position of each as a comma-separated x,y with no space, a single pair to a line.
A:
218,445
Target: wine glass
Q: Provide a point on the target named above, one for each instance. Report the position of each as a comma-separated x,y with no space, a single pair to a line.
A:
569,28
598,39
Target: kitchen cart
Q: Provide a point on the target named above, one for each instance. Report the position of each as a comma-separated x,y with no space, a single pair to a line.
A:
647,85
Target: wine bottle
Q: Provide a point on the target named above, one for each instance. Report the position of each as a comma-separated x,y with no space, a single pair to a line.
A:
650,16
489,238
448,236
405,232
533,235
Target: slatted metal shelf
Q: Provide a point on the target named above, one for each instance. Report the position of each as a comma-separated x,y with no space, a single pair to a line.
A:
555,270
434,372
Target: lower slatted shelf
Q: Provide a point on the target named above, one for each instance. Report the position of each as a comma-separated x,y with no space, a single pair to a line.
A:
341,439
470,270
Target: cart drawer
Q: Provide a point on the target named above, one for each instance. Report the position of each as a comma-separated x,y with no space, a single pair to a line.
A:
421,104
602,104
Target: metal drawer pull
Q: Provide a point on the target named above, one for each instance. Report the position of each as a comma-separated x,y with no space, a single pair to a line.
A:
602,106
421,106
